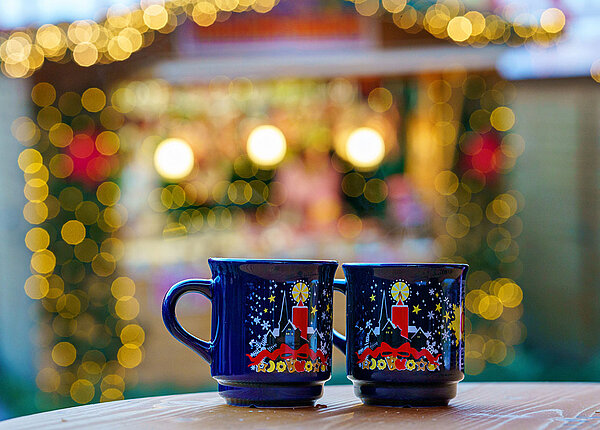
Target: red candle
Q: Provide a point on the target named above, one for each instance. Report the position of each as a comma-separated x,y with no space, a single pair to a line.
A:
300,319
400,319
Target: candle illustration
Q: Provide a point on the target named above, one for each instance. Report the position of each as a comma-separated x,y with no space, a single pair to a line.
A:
300,312
400,293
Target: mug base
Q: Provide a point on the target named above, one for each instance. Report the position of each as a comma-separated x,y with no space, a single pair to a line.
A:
406,394
271,395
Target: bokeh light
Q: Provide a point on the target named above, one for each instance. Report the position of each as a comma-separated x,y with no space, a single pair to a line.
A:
174,159
365,148
266,146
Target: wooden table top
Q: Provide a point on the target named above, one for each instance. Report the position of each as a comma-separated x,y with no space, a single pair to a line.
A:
478,405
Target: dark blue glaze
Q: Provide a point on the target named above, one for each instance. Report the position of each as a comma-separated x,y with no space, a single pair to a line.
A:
405,332
271,329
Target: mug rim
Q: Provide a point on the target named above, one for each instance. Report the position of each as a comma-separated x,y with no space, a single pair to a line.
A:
270,261
401,265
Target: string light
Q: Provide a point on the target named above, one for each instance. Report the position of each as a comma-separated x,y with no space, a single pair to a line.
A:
81,242
125,31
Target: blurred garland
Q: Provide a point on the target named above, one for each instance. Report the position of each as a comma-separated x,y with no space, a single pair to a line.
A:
88,334
125,31
480,218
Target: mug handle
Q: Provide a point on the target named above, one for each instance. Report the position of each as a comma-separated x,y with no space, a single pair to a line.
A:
202,286
339,340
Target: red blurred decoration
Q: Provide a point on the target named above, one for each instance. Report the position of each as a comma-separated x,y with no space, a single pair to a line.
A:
89,166
488,159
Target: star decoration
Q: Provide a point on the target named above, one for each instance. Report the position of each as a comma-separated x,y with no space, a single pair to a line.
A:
265,310
447,316
313,310
372,297
416,309
327,307
438,307
272,298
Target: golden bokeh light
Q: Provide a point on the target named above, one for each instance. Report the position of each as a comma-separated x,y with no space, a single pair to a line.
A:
43,261
156,16
365,148
553,20
48,116
86,250
48,380
393,6
37,239
174,159
376,190
266,146
122,287
104,264
25,131
129,356
85,54
132,334
127,308
35,212
64,354
87,212
60,135
502,118
93,99
69,305
43,94
204,13
70,103
28,159
82,391
380,100
367,7
107,143
446,182
73,232
460,28
108,193
37,287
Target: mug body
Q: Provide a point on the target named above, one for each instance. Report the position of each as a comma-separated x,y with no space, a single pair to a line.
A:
271,330
405,332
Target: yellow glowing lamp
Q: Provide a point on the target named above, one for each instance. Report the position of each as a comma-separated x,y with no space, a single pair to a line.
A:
174,159
266,146
365,148
300,292
400,291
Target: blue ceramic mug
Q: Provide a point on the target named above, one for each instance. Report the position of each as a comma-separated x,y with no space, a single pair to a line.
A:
404,340
271,329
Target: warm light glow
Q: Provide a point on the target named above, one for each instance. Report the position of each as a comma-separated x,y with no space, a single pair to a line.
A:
460,28
552,20
365,148
266,146
174,159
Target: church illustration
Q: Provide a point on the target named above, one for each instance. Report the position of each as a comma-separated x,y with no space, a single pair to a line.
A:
294,332
395,331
